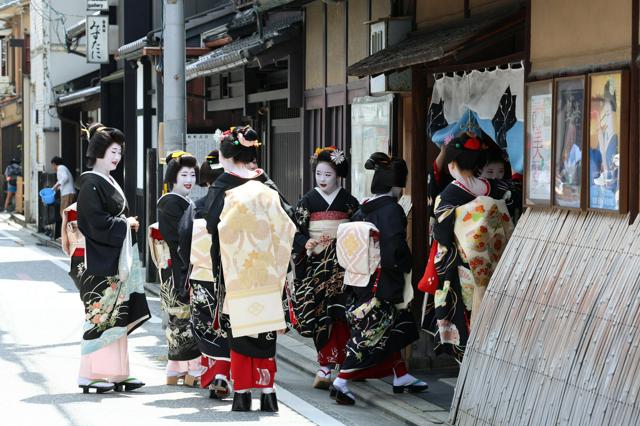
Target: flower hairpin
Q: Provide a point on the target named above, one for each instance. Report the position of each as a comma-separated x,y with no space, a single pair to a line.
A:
337,156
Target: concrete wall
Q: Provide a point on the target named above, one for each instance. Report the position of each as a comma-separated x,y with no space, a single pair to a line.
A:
579,33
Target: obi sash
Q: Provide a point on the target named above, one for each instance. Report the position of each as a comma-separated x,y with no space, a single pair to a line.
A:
323,227
482,229
73,243
358,252
200,256
256,238
158,248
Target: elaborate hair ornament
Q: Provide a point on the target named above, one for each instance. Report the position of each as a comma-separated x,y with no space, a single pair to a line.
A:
178,154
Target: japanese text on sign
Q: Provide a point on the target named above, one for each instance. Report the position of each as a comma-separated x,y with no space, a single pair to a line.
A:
98,39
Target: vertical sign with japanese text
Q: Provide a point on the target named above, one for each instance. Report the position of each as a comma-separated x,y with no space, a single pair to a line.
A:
97,39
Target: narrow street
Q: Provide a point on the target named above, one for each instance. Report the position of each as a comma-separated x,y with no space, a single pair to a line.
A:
40,326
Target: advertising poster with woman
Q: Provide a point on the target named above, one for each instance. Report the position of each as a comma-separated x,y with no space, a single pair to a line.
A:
569,137
604,141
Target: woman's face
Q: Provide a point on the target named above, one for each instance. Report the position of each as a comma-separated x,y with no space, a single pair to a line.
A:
185,181
493,170
111,159
326,177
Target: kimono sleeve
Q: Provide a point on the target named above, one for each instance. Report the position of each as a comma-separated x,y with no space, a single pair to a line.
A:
394,250
301,218
95,222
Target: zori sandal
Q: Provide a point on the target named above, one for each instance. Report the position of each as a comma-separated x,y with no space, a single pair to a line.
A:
128,385
100,386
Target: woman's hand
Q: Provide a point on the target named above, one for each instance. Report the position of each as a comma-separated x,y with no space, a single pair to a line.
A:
311,244
132,221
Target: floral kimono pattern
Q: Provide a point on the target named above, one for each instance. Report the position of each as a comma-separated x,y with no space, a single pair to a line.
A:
319,297
447,313
378,329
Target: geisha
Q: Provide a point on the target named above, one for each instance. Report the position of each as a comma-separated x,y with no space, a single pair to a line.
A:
471,230
184,355
319,301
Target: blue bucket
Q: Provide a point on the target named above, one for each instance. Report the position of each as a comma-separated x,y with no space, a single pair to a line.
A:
48,196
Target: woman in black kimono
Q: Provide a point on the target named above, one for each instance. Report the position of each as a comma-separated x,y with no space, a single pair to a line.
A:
114,302
448,308
319,300
247,354
184,356
379,330
208,333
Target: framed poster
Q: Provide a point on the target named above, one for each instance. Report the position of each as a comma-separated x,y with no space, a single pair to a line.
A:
371,130
569,141
538,153
607,141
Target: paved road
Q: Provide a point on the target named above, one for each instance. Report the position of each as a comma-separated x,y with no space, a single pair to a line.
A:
40,326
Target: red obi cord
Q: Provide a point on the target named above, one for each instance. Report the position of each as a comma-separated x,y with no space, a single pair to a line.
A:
335,350
249,372
330,215
156,235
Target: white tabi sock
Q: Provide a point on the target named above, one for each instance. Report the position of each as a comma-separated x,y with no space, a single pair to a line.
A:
268,390
341,384
406,380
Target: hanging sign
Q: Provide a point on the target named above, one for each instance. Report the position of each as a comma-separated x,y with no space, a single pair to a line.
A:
97,31
97,5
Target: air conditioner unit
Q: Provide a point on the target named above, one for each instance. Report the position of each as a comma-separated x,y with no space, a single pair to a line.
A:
384,33
5,79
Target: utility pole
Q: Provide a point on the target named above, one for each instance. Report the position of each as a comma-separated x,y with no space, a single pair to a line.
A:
174,83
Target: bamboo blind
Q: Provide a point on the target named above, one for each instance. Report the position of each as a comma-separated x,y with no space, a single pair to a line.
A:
557,338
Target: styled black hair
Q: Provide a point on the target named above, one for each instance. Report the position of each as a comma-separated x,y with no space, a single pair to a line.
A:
174,164
231,147
100,138
210,169
58,161
464,149
493,154
335,158
388,173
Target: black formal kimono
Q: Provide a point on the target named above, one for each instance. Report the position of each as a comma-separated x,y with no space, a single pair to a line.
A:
447,313
174,288
248,354
113,308
319,299
379,330
264,346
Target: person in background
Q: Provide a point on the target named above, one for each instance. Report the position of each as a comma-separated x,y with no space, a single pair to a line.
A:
11,174
65,184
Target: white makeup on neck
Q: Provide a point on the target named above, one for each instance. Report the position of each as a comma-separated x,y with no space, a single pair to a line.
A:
326,178
185,180
109,162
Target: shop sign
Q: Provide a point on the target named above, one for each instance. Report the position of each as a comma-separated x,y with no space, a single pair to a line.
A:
97,30
97,5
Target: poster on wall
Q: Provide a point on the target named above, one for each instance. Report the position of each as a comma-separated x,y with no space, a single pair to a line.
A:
539,138
604,140
570,93
492,99
370,132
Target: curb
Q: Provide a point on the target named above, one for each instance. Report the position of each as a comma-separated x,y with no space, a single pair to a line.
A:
374,392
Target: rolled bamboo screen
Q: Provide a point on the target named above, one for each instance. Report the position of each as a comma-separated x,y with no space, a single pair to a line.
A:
557,338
